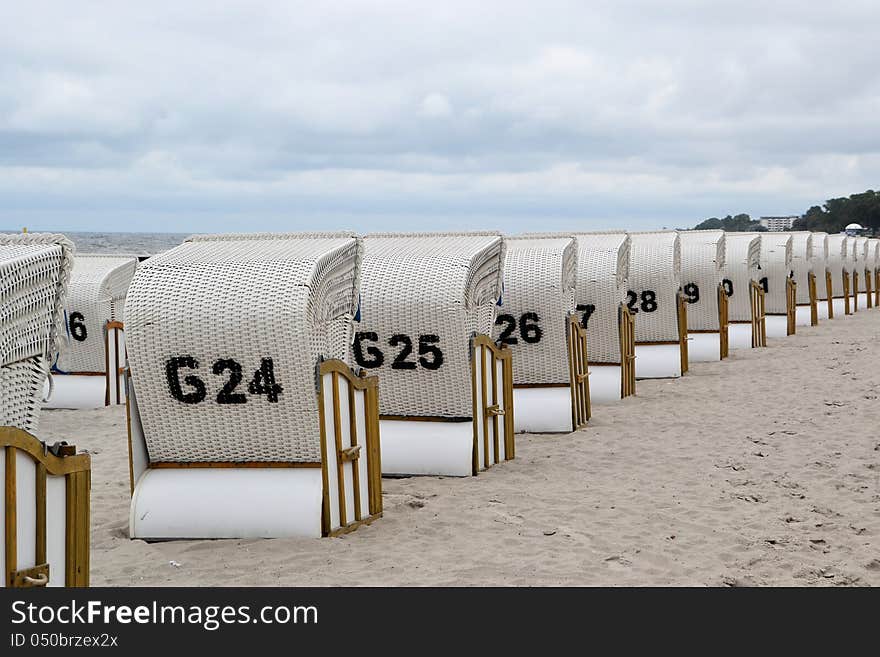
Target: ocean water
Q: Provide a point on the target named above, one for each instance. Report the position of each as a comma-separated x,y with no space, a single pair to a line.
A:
134,243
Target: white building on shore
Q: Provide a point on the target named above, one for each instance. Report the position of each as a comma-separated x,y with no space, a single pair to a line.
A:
778,224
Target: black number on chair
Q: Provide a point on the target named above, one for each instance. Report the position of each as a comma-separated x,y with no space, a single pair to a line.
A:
428,345
227,394
401,362
529,330
765,284
377,358
632,300
692,292
172,375
728,287
588,309
506,336
649,301
78,327
264,382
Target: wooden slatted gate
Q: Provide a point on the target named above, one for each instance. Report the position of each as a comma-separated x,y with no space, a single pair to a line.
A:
814,299
829,289
113,383
869,289
627,331
579,375
348,409
682,302
759,314
492,389
855,291
791,305
45,512
723,322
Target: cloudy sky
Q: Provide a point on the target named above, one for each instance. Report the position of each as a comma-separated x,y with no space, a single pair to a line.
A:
190,116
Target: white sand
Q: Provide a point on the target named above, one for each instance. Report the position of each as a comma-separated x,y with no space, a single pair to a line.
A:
764,469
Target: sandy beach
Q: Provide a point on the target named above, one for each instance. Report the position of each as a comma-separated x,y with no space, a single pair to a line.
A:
762,470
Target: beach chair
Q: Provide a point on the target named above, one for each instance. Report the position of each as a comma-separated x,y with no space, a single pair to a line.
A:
745,295
780,289
702,275
245,419
862,282
822,274
656,299
873,270
429,305
841,264
551,389
83,376
45,513
805,280
600,301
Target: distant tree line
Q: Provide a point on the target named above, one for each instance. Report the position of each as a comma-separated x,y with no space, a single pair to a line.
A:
736,224
832,217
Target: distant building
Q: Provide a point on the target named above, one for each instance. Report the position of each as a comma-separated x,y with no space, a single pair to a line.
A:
778,224
854,230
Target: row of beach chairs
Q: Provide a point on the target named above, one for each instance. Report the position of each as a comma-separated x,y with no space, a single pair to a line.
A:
271,380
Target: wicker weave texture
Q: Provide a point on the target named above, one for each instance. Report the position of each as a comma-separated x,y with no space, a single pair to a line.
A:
429,291
820,262
802,263
602,284
860,253
872,262
21,392
96,295
655,279
838,250
776,268
539,286
241,298
34,275
743,257
702,269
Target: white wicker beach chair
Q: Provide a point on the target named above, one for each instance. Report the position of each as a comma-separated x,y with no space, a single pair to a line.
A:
549,345
95,302
873,270
804,277
779,286
745,295
34,275
660,309
245,419
600,300
702,273
45,515
429,302
841,264
824,285
860,274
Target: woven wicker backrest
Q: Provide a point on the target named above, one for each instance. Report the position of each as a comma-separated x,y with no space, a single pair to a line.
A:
872,262
860,246
96,295
702,269
742,259
424,296
602,280
539,286
802,263
776,268
34,275
654,282
838,250
224,334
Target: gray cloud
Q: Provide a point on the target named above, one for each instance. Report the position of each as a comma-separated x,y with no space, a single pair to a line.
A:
275,115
